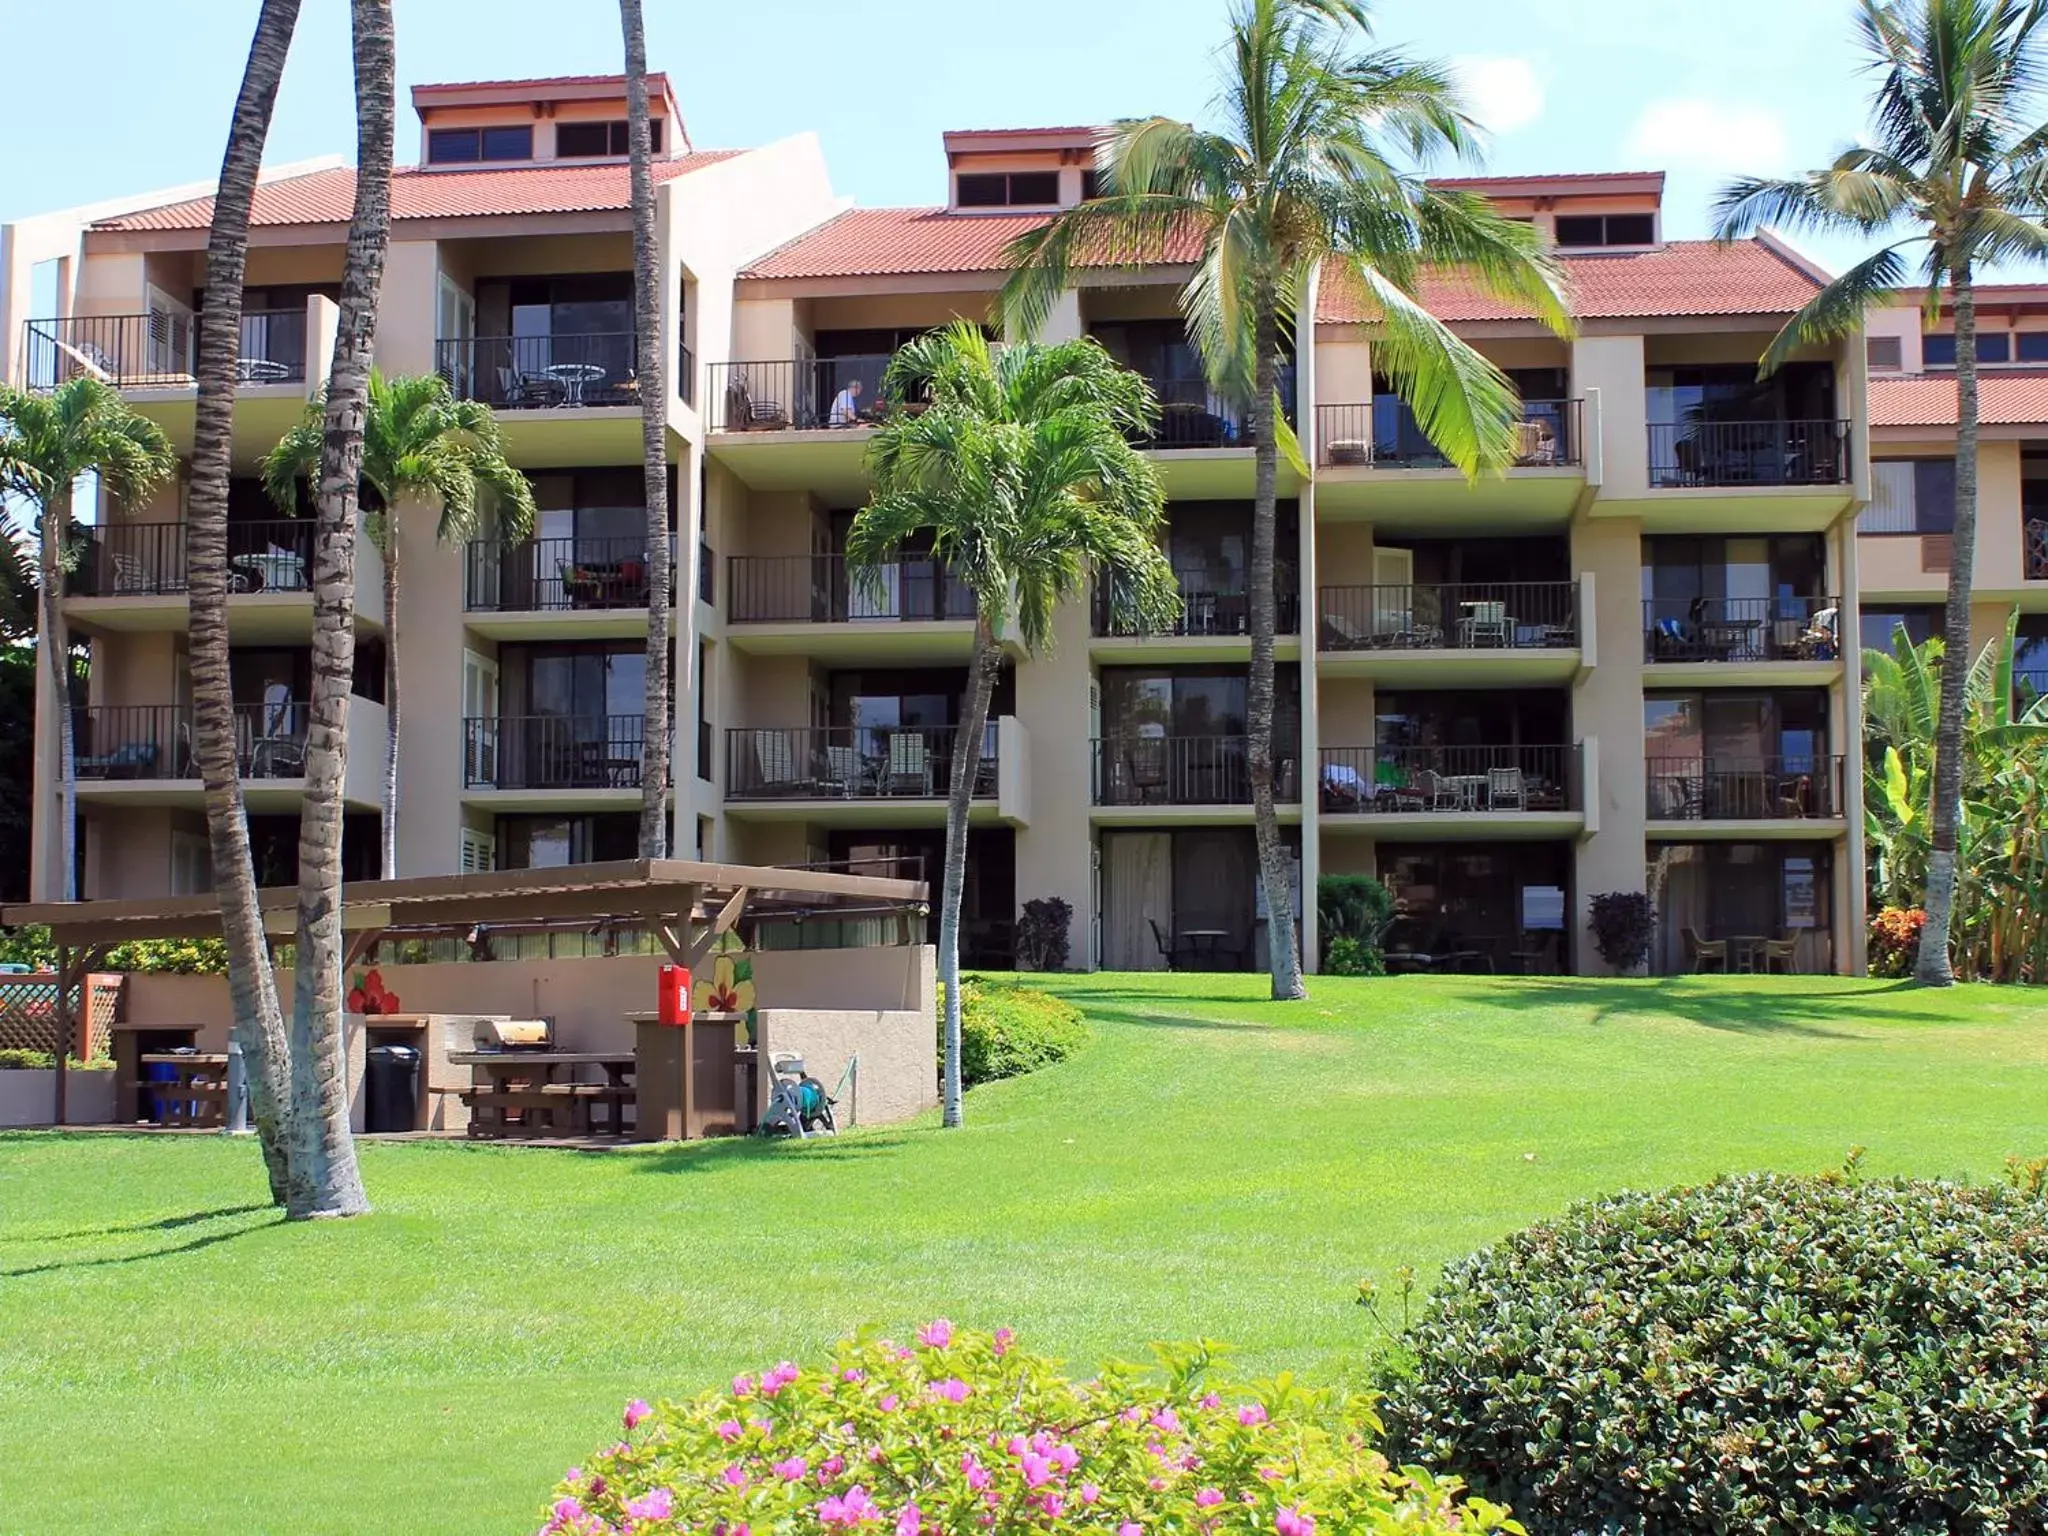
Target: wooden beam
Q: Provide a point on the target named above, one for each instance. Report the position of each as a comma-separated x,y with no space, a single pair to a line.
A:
359,945
672,941
721,923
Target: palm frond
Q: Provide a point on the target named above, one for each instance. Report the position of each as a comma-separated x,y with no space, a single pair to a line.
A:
1463,403
1839,308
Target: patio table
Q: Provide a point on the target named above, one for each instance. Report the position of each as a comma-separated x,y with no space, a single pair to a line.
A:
524,1084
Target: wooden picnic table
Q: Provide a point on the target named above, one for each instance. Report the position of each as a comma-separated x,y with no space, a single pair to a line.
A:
524,1097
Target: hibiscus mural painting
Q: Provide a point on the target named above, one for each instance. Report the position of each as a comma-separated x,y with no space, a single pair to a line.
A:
727,983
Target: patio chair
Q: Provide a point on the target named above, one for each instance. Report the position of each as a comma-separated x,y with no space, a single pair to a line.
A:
1340,634
843,771
1505,789
1701,953
910,765
129,575
1483,623
1167,949
1145,768
774,760
518,389
1439,792
1781,953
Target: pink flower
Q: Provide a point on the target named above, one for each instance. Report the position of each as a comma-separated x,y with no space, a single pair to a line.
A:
952,1389
730,1430
1133,1414
1090,1493
655,1504
791,1470
853,1373
735,1475
742,1385
1130,1528
1166,1419
568,1509
636,1410
1037,1470
779,1378
1065,1457
1053,1505
1292,1523
831,1467
1211,1400
1251,1415
1208,1498
976,1473
936,1334
910,1522
890,1403
854,1507
1003,1336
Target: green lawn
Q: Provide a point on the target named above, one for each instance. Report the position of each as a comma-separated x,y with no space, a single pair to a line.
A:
172,1358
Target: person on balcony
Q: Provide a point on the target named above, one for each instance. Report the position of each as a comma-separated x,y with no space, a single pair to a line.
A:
845,411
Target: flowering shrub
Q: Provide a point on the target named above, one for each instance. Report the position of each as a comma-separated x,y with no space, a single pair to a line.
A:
1895,940
964,1432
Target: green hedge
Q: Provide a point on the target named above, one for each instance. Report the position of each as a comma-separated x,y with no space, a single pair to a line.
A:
1006,1031
1763,1353
15,1059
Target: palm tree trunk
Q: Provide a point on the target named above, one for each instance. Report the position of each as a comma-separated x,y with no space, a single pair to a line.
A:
325,1179
57,644
1932,967
653,377
258,1026
967,743
1275,869
389,862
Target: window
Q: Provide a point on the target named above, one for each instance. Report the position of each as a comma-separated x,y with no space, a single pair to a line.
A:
1938,349
1910,496
590,141
1597,229
466,146
1015,189
1884,354
1091,189
1882,626
2030,346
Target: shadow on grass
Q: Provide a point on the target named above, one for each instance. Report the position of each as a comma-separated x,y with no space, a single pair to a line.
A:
167,1224
1709,1001
1163,1017
115,1260
717,1153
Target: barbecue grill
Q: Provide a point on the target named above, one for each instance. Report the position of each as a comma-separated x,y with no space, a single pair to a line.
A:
508,1034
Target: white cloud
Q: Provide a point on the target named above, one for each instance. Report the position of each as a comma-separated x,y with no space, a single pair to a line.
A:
1502,93
1693,133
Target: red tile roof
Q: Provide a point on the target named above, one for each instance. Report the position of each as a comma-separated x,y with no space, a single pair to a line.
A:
656,83
1569,178
1686,277
2005,398
328,197
878,242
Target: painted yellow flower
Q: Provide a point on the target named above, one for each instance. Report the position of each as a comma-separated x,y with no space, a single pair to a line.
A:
728,989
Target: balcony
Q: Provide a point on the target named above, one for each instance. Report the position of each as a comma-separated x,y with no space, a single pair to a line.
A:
811,764
1383,434
1165,771
132,576
1191,416
1791,789
1742,454
587,753
537,373
157,349
1453,791
1739,631
824,589
136,751
1207,612
1528,630
797,394
581,574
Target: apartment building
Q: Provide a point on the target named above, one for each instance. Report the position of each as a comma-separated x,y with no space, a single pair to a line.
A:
1616,667
1903,535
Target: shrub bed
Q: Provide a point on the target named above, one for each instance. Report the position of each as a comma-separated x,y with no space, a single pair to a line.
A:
1759,1354
1006,1031
966,1432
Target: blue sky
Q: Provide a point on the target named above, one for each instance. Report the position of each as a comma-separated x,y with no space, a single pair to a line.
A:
1695,88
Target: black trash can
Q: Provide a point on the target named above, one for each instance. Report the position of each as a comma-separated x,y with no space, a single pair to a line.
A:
391,1087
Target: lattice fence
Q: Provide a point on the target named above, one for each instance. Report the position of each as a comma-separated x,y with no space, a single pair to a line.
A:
28,1011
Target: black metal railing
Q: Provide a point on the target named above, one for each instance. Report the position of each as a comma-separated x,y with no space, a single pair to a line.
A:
154,741
1744,789
686,374
859,763
552,575
1135,769
1397,780
2034,539
1741,629
1465,616
1207,608
1383,433
824,589
1192,416
274,556
797,394
542,372
552,751
273,347
131,560
1736,453
145,350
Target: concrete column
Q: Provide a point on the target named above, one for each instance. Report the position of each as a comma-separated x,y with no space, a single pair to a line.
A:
1612,367
1607,704
409,310
432,639
1851,904
1056,853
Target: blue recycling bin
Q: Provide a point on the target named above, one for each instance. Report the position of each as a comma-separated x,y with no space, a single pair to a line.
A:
159,1072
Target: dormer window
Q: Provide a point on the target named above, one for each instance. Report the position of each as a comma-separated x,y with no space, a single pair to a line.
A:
1582,231
1013,189
469,146
596,141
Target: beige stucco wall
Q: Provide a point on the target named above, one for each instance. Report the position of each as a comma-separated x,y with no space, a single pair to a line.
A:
29,1098
432,638
1609,369
1607,703
897,1052
1056,854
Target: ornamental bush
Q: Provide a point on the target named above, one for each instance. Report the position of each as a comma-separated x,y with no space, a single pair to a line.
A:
1895,940
1760,1354
1006,1031
965,1432
1624,925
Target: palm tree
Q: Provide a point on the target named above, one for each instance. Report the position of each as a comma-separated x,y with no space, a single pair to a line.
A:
1021,472
252,984
420,444
1305,176
325,1180
1959,160
47,442
652,372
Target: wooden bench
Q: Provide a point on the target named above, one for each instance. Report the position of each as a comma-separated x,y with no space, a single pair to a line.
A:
552,1099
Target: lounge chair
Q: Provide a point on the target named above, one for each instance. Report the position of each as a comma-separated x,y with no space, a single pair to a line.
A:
1506,790
843,771
774,761
910,765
